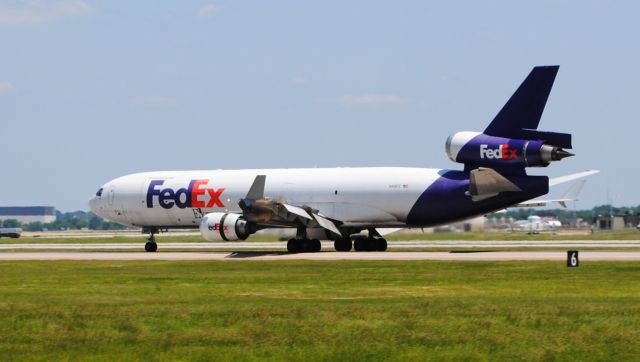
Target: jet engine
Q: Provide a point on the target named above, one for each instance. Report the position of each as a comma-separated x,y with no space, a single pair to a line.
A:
223,226
478,149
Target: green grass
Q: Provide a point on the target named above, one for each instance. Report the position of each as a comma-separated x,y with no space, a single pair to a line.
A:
319,311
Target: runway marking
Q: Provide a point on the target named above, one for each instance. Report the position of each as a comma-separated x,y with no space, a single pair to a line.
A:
326,245
326,256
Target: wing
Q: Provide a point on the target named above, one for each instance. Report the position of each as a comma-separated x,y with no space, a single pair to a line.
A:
387,231
568,178
258,208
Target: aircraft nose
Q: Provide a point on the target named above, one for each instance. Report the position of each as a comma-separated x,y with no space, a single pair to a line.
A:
95,203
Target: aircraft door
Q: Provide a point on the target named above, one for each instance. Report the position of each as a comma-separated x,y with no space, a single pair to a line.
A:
111,196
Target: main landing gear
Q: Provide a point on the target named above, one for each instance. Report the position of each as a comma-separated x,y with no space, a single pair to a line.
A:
151,245
303,245
362,244
370,244
343,244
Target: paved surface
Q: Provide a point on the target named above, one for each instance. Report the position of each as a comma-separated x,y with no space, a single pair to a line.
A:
327,245
453,256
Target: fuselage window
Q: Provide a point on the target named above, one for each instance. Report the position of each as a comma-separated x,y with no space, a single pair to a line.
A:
99,193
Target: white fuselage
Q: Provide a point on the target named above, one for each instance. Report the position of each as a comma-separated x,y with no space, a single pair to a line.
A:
375,196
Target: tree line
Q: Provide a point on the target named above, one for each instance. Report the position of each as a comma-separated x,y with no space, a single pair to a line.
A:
81,219
568,214
76,220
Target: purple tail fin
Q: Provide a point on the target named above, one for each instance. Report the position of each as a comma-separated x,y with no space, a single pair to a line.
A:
524,108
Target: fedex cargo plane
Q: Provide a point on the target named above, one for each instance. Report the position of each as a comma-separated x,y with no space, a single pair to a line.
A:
351,205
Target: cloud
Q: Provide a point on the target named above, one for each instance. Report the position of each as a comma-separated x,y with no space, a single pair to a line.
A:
40,11
298,79
6,87
372,99
208,11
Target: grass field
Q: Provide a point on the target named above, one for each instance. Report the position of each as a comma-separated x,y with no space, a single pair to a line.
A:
319,311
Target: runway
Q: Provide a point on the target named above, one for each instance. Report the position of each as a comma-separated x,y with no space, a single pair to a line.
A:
327,245
322,256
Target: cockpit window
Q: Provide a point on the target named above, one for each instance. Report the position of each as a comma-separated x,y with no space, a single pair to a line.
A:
99,193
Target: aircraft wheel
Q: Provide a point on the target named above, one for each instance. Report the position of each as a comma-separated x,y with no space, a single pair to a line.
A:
343,244
294,245
309,245
305,245
150,246
380,244
370,245
360,244
316,245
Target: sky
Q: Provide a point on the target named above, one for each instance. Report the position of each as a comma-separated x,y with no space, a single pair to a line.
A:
93,90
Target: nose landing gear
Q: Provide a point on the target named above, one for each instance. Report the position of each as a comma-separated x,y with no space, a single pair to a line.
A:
151,246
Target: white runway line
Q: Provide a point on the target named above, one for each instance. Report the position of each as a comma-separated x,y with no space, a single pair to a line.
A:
326,245
326,256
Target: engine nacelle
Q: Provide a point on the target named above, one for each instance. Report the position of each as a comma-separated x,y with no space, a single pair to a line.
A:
223,226
479,149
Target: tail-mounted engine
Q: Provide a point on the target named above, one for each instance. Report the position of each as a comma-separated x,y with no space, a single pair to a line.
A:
480,150
222,226
512,139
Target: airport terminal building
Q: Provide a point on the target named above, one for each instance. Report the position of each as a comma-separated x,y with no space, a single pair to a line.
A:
28,214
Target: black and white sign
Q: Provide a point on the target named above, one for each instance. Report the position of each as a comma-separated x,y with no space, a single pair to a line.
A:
572,259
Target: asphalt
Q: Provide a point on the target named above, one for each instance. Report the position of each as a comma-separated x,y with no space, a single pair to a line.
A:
255,255
326,245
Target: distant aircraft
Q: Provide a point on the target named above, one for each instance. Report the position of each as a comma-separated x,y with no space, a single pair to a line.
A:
535,224
340,203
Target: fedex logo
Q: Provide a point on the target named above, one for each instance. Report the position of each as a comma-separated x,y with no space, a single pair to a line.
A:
503,152
194,195
218,227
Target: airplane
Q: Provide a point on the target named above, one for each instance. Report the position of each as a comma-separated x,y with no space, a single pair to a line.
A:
535,224
352,206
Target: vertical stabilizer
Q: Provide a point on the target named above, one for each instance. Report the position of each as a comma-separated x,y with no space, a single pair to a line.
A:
524,108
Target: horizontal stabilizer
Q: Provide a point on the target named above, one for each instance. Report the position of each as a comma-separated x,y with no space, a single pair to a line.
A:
552,138
487,182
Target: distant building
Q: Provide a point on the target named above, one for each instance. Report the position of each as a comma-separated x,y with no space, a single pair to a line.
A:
28,214
616,222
